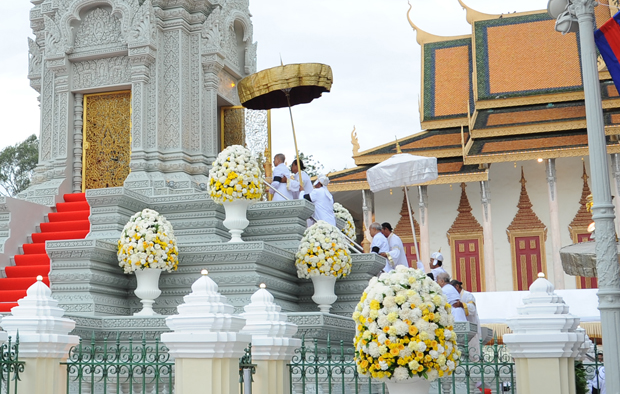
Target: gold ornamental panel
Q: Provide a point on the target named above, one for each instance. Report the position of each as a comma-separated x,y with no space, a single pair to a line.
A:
233,126
107,140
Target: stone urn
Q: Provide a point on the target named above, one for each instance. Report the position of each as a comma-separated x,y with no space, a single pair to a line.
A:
415,385
324,294
147,290
236,220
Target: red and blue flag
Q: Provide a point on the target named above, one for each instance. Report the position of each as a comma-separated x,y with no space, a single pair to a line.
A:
607,40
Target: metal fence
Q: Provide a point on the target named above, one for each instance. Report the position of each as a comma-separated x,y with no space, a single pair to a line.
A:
10,366
594,370
331,369
120,368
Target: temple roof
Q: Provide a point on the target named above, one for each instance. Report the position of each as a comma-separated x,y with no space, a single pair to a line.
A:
465,221
525,219
451,170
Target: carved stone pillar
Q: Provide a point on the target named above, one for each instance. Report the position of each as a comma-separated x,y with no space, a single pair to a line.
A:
487,232
615,163
425,242
554,215
212,65
78,110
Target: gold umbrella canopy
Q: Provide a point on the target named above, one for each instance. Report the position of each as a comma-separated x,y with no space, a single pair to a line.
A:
268,89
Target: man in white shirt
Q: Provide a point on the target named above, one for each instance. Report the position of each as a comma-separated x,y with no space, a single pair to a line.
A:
396,255
281,174
436,265
323,201
471,311
597,383
295,186
454,298
379,244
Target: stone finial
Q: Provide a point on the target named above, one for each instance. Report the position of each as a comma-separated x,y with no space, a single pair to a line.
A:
272,334
205,326
43,332
586,346
207,306
543,328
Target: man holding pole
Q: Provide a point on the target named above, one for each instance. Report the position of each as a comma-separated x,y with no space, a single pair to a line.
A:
396,255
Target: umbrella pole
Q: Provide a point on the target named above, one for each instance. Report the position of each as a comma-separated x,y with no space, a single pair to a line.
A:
290,111
415,241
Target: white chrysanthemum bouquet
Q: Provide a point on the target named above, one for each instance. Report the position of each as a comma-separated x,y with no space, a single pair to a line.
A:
235,175
344,214
404,328
322,251
147,241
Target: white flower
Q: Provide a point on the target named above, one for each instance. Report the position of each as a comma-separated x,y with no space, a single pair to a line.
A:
401,373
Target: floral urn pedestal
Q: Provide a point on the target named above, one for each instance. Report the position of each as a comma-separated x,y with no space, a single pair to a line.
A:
415,385
147,290
236,220
324,294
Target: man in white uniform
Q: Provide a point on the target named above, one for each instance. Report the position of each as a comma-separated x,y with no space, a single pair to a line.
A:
396,255
379,244
454,298
322,200
281,174
295,186
436,265
471,311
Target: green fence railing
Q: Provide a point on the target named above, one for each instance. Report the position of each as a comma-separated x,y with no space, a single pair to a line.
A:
331,369
10,366
120,367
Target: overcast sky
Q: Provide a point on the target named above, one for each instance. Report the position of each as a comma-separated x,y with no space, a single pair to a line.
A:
369,45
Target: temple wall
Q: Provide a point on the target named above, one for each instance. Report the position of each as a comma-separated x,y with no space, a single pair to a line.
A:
505,188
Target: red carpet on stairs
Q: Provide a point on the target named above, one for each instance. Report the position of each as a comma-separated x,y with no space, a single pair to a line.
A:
70,221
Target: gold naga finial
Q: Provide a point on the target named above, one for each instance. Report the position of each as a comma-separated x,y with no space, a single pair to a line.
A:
355,142
423,37
397,146
473,15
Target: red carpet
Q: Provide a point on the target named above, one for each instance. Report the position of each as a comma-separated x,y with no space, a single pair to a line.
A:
70,221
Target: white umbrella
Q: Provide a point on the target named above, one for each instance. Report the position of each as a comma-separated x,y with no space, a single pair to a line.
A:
402,170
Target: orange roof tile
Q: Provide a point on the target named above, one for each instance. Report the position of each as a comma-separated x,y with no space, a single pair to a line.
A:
539,115
451,80
538,143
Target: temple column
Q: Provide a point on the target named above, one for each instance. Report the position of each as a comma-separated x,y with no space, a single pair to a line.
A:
425,242
367,209
615,163
211,65
487,232
78,110
554,215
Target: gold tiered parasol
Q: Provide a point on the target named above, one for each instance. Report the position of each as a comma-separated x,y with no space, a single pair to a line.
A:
285,86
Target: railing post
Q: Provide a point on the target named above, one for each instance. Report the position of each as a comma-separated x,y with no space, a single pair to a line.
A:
273,344
43,340
206,343
544,342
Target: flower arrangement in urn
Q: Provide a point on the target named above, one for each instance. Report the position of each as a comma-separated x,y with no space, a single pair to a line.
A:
344,214
235,175
404,329
323,257
147,247
147,241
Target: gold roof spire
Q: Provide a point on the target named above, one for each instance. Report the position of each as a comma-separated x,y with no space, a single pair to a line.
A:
398,146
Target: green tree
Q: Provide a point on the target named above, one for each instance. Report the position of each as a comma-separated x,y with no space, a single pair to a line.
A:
313,166
17,163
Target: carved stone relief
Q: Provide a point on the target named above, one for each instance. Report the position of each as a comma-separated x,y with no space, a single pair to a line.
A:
101,72
99,29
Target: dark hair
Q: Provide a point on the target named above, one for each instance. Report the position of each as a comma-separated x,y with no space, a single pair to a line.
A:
455,282
386,225
301,164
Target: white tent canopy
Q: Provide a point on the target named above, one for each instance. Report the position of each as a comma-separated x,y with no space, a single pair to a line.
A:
402,170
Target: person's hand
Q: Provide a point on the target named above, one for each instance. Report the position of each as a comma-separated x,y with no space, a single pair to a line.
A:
284,180
383,254
458,304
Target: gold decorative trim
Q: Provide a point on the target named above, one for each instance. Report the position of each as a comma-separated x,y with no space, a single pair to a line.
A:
518,101
443,123
441,180
462,237
611,103
612,130
223,124
542,154
528,129
423,37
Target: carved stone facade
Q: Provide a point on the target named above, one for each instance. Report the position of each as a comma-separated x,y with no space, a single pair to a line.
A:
174,56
